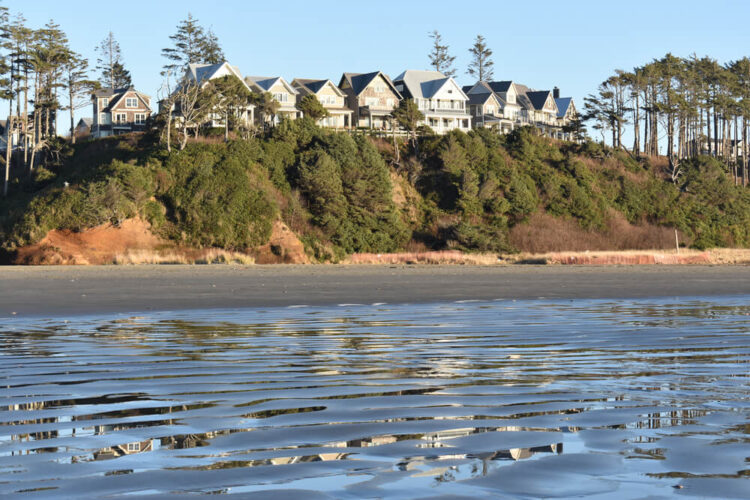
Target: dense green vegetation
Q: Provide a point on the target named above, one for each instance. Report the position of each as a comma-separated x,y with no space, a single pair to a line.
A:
336,191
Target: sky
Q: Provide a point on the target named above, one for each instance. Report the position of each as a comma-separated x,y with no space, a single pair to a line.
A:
573,45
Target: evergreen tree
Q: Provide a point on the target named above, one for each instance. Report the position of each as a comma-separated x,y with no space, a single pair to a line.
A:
311,106
408,116
191,45
440,59
110,64
481,63
78,87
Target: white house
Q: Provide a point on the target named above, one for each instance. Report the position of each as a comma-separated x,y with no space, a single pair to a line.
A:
442,102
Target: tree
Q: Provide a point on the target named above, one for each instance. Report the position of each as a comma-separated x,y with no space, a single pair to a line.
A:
110,64
267,106
194,103
232,99
78,86
191,45
310,106
408,116
440,59
481,63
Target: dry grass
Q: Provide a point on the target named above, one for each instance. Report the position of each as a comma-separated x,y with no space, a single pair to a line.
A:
544,233
176,256
611,258
433,258
730,256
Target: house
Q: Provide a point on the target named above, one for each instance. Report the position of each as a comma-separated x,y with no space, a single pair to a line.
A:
566,113
119,111
489,110
543,109
330,96
84,127
16,136
282,92
442,102
371,96
203,74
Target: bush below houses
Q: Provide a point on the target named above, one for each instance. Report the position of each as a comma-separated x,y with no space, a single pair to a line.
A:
336,192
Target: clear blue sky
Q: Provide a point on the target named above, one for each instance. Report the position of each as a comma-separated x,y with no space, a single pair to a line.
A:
574,45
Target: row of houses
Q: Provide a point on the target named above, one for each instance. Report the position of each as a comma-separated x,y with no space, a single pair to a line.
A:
363,101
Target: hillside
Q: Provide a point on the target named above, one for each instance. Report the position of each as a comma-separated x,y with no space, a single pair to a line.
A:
341,194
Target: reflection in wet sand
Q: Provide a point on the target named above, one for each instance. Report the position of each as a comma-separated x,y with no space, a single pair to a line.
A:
537,399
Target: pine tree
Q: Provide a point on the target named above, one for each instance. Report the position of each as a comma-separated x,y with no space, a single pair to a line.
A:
481,63
440,59
110,64
191,45
78,86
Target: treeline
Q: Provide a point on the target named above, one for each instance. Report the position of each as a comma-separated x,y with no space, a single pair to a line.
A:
343,193
700,105
41,75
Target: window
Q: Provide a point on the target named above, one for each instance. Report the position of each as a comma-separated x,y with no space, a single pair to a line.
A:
131,102
104,102
104,119
491,110
140,118
121,118
389,103
281,97
134,446
372,101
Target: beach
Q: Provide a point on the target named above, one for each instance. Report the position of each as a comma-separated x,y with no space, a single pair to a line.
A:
84,290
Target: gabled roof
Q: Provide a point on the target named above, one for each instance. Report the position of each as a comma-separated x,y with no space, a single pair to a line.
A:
265,83
538,98
563,104
314,86
122,92
481,98
420,84
360,81
503,86
204,72
86,121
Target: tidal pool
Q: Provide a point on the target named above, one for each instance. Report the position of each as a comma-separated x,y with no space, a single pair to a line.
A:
602,399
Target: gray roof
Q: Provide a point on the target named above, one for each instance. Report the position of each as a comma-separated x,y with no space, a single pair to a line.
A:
360,81
538,98
420,84
267,82
479,98
86,121
312,85
503,86
563,103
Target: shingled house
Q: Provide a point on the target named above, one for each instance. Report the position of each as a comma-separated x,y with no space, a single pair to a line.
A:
119,111
439,98
371,96
282,92
330,96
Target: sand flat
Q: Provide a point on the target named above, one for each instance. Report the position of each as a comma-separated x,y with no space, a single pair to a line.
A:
75,290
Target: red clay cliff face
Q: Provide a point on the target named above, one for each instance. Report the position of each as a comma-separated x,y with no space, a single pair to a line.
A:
283,248
105,244
98,245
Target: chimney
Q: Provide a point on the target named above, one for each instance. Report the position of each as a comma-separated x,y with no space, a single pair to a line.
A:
556,93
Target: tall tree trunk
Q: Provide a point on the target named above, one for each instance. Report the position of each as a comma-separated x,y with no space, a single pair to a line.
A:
8,151
708,130
636,127
72,119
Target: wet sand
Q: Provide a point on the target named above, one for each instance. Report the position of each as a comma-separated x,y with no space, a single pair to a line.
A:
69,291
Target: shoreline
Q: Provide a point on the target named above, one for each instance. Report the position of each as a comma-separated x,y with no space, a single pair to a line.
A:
90,290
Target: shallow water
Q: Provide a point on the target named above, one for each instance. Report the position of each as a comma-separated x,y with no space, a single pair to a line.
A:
602,399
